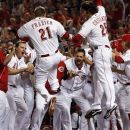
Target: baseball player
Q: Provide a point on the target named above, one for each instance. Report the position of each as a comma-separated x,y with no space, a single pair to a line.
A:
30,56
75,76
4,106
95,29
43,32
122,71
15,94
41,105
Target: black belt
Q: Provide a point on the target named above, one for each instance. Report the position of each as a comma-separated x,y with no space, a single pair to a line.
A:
13,86
46,55
127,84
99,46
89,82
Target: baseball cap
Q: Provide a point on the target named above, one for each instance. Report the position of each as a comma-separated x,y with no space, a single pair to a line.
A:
116,44
39,7
126,37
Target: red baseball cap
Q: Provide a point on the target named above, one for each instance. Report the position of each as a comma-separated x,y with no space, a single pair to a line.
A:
117,44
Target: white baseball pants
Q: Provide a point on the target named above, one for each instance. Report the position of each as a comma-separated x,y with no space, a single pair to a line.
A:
46,69
102,62
29,99
39,112
64,99
4,111
18,108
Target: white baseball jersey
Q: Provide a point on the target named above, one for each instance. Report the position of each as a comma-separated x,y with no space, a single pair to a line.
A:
95,29
87,53
43,34
124,66
30,52
17,64
78,81
126,56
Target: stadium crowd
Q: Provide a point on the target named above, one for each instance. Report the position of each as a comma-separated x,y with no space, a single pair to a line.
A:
15,13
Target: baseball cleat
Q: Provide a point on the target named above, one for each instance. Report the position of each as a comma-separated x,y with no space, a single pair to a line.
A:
52,106
109,112
93,112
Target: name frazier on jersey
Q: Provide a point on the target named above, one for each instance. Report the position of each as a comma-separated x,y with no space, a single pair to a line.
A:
99,19
41,23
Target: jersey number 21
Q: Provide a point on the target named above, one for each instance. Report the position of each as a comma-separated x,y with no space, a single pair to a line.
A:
43,32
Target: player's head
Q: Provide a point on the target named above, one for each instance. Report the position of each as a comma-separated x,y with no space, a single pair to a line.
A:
89,8
40,11
20,48
79,56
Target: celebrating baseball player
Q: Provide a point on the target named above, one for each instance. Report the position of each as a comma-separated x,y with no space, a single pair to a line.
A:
95,29
43,32
123,73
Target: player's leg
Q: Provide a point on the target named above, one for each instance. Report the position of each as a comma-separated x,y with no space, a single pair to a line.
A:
43,65
4,111
122,105
22,109
75,119
127,107
52,77
98,94
119,122
39,112
84,105
103,124
40,81
102,61
13,109
29,98
61,114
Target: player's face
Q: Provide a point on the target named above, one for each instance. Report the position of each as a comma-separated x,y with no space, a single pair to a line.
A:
79,57
20,50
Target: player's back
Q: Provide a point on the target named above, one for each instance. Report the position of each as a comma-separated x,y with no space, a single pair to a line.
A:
43,34
99,32
95,28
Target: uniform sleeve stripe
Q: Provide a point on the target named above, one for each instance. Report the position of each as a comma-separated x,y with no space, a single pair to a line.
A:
119,59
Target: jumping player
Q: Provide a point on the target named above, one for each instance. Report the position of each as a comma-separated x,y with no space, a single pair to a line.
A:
95,29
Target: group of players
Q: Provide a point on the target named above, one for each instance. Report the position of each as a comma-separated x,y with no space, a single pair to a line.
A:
96,78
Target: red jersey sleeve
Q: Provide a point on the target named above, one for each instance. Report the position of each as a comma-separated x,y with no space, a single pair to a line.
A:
119,59
60,71
77,39
66,36
2,58
98,2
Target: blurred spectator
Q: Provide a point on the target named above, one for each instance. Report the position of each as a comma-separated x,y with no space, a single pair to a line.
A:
14,13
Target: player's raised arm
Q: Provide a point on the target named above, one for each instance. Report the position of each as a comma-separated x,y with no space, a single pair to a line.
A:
77,39
98,2
67,36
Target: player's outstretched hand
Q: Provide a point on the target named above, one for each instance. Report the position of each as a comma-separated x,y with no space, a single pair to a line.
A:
71,74
114,68
30,68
